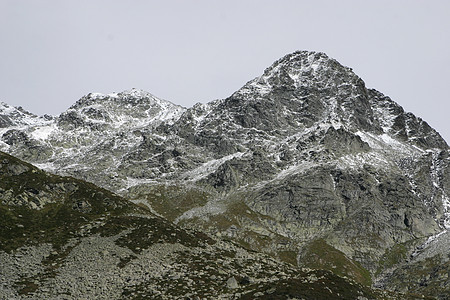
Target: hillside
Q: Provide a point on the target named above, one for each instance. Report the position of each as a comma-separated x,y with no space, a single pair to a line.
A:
304,164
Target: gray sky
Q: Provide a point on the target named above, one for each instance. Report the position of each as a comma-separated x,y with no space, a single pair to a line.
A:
52,52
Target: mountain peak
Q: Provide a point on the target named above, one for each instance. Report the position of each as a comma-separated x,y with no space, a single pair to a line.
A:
128,108
131,93
300,60
136,93
303,60
300,70
132,96
307,88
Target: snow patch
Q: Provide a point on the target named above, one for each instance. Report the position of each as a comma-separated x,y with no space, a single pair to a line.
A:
49,167
446,204
130,182
385,143
386,118
430,241
357,161
209,167
43,132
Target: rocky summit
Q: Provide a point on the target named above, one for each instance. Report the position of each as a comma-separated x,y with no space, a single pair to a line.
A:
302,182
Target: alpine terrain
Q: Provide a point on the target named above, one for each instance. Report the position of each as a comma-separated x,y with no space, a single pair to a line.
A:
302,184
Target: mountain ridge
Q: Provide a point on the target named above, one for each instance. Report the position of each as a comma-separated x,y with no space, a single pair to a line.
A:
303,155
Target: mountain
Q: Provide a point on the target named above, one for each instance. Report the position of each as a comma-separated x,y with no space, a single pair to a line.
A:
61,237
303,163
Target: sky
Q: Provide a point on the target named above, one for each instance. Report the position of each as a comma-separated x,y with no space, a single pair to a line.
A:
52,52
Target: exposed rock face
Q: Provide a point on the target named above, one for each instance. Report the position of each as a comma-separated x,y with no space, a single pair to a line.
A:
426,271
303,153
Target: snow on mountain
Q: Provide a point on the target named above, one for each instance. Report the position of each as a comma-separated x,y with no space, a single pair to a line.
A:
291,113
306,147
129,109
286,113
107,125
17,117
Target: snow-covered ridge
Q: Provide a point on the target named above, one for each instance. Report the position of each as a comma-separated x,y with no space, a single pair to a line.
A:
299,69
84,136
135,93
17,116
132,137
131,108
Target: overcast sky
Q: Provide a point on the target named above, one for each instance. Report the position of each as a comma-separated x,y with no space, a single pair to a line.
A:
52,52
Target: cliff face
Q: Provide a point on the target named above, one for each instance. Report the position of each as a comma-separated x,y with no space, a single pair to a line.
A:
304,163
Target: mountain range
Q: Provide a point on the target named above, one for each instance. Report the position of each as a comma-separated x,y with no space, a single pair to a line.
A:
304,170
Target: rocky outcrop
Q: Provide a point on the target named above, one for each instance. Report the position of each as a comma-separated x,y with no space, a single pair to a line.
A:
426,271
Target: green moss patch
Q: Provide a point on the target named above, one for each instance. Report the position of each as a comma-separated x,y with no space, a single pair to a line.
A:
311,285
289,257
145,232
392,257
172,201
319,255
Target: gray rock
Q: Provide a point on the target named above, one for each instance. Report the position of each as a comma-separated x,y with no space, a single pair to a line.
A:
232,283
